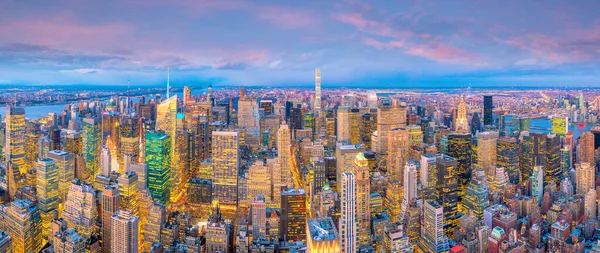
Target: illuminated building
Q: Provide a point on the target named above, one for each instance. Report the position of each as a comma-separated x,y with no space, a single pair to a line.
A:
32,149
65,240
259,217
308,122
14,150
322,236
590,204
447,191
152,228
585,178
317,106
158,160
343,124
47,192
362,191
166,121
348,226
66,172
486,149
284,154
500,180
433,238
344,157
393,199
560,125
586,148
389,116
226,160
396,241
366,129
487,110
533,153
461,123
182,169
128,189
187,95
398,145
91,139
80,208
476,196
247,114
553,158
23,223
295,120
259,181
410,188
293,215
459,147
428,176
507,156
124,234
5,242
110,204
415,135
105,162
355,120
219,234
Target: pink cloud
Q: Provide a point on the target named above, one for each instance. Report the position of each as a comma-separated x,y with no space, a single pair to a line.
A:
375,27
285,18
64,32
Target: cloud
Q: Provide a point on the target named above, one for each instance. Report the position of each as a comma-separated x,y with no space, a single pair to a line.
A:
290,19
82,71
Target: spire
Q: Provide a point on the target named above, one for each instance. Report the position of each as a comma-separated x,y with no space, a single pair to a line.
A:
168,81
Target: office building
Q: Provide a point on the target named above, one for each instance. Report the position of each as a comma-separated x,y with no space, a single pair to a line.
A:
348,226
322,236
158,161
23,224
80,208
14,150
110,203
226,160
433,238
487,110
47,192
293,215
124,232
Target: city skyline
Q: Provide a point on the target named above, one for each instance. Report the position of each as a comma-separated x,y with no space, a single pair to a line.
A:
252,43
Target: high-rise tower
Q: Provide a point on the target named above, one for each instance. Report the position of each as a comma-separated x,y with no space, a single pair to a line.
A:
487,110
15,137
317,91
461,124
226,162
347,224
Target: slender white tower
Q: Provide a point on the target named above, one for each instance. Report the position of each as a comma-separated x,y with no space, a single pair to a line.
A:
317,90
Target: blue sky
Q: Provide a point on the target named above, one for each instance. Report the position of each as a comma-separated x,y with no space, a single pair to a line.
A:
398,43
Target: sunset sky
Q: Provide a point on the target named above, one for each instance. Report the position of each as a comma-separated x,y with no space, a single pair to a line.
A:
279,43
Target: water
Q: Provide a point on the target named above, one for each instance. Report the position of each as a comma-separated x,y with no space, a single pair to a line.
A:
544,125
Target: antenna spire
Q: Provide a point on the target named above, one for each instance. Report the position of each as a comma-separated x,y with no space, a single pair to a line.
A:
168,80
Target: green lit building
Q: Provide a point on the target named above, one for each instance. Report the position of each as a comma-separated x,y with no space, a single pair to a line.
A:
158,160
476,196
91,146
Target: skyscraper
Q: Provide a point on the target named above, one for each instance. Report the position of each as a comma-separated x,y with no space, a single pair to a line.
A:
586,149
284,153
293,215
459,147
317,106
124,234
585,178
153,226
259,217
432,236
362,191
398,146
507,156
343,124
486,149
487,110
110,204
461,124
23,224
80,208
166,121
476,196
91,145
47,192
66,173
348,227
158,160
129,190
226,162
15,138
389,116
447,191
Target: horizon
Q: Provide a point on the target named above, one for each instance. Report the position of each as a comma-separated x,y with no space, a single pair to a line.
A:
275,44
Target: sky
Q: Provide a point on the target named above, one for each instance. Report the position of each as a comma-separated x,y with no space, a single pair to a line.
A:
390,43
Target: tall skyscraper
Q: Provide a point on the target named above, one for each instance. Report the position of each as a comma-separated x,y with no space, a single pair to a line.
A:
293,215
343,124
91,146
110,204
15,138
459,147
487,111
158,160
389,116
447,191
586,149
507,156
23,223
166,121
476,196
66,173
129,192
226,162
348,226
398,146
259,217
284,153
486,149
153,226
124,234
432,236
586,178
362,191
317,106
80,208
461,124
47,192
